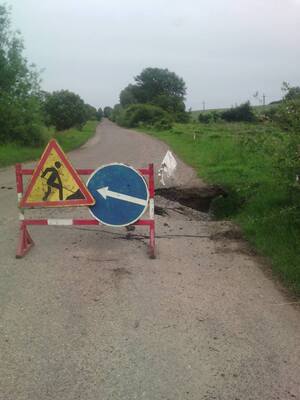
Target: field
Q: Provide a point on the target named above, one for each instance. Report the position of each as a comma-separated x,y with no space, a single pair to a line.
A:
246,159
258,109
71,139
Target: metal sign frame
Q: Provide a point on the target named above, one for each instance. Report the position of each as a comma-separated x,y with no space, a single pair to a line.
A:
88,198
25,241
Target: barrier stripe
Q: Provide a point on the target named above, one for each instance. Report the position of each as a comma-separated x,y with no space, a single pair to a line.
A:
60,222
28,171
151,208
67,221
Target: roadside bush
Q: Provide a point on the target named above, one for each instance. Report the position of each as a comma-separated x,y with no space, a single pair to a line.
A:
204,118
117,113
242,113
91,112
291,92
208,117
20,120
146,114
268,114
183,117
64,110
163,124
172,105
287,115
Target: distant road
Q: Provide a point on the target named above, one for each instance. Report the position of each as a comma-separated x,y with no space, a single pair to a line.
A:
86,315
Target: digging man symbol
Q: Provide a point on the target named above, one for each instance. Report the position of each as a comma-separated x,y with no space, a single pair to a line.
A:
54,181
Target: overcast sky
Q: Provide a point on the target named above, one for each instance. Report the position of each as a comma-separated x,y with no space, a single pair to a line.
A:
225,50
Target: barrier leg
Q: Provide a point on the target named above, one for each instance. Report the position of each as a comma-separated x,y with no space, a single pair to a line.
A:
25,241
151,212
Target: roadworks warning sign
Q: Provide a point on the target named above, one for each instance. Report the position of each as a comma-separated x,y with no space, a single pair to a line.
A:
55,183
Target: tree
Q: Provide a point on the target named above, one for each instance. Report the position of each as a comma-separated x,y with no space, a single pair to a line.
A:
65,109
116,111
129,95
20,113
292,92
91,112
172,105
154,82
107,111
159,87
99,114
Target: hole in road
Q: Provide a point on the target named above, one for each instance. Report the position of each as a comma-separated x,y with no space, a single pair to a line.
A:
197,198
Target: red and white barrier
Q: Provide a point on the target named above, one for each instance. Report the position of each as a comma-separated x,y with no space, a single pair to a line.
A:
25,240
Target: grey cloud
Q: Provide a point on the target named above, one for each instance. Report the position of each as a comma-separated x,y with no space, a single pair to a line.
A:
224,50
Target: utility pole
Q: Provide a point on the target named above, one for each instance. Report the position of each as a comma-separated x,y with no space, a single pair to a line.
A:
264,99
203,104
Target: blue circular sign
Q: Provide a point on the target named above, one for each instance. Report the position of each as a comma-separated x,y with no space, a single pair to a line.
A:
120,192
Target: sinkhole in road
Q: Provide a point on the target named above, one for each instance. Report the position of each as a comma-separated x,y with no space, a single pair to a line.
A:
197,198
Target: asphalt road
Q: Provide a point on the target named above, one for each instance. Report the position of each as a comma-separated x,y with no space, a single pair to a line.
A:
86,315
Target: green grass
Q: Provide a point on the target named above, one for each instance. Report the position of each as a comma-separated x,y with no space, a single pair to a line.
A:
70,139
243,158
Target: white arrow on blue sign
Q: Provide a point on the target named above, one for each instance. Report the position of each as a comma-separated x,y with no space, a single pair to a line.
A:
120,192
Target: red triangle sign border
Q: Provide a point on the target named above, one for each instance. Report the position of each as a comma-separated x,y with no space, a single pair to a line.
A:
86,201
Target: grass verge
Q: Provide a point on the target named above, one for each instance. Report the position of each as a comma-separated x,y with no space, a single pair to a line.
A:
245,159
70,139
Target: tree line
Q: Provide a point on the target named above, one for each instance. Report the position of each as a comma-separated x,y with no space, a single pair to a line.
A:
25,110
156,98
